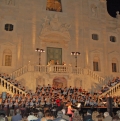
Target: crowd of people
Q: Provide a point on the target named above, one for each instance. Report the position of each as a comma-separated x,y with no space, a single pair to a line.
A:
110,84
54,99
50,100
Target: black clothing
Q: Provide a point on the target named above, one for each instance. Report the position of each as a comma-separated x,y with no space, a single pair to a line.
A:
87,117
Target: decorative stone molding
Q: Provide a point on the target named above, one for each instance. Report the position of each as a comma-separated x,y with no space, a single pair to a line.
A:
94,10
54,31
114,53
118,15
10,2
8,44
118,20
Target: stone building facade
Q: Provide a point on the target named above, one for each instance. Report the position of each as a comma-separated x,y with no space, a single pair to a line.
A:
74,25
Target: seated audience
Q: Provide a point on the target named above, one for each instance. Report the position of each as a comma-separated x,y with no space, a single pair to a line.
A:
107,117
88,117
17,117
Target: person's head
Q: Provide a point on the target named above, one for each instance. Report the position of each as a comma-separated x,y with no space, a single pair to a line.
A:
40,115
106,114
118,113
47,113
89,112
59,114
69,103
99,118
17,111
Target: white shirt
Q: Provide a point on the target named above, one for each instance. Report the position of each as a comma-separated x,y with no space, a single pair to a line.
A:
31,117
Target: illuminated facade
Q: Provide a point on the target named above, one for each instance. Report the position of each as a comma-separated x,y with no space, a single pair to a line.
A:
59,27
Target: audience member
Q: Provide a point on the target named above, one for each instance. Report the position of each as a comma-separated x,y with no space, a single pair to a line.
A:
17,117
88,117
32,117
107,117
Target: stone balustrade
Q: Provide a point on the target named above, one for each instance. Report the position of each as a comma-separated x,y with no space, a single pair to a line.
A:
19,72
42,68
52,69
10,87
111,91
95,76
77,70
58,69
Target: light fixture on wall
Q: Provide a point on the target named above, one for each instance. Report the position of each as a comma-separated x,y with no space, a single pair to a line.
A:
39,51
75,54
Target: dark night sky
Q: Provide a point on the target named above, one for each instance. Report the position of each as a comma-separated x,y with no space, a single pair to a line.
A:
113,6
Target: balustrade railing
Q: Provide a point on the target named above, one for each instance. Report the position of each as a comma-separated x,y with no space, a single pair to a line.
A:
19,72
10,87
41,68
58,69
52,69
77,70
111,91
95,76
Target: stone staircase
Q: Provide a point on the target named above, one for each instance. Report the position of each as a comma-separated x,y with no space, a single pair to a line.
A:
59,70
6,86
98,81
113,91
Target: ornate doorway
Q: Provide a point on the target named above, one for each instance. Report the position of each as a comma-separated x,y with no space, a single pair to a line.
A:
59,82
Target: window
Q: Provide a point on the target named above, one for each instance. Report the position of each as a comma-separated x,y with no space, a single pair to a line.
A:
8,60
94,36
114,67
95,66
54,5
7,57
112,38
8,27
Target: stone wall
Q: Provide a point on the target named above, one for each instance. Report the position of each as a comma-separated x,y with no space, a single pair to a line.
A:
70,30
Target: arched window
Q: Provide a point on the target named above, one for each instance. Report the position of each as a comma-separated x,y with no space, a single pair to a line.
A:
54,5
114,65
96,64
7,57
